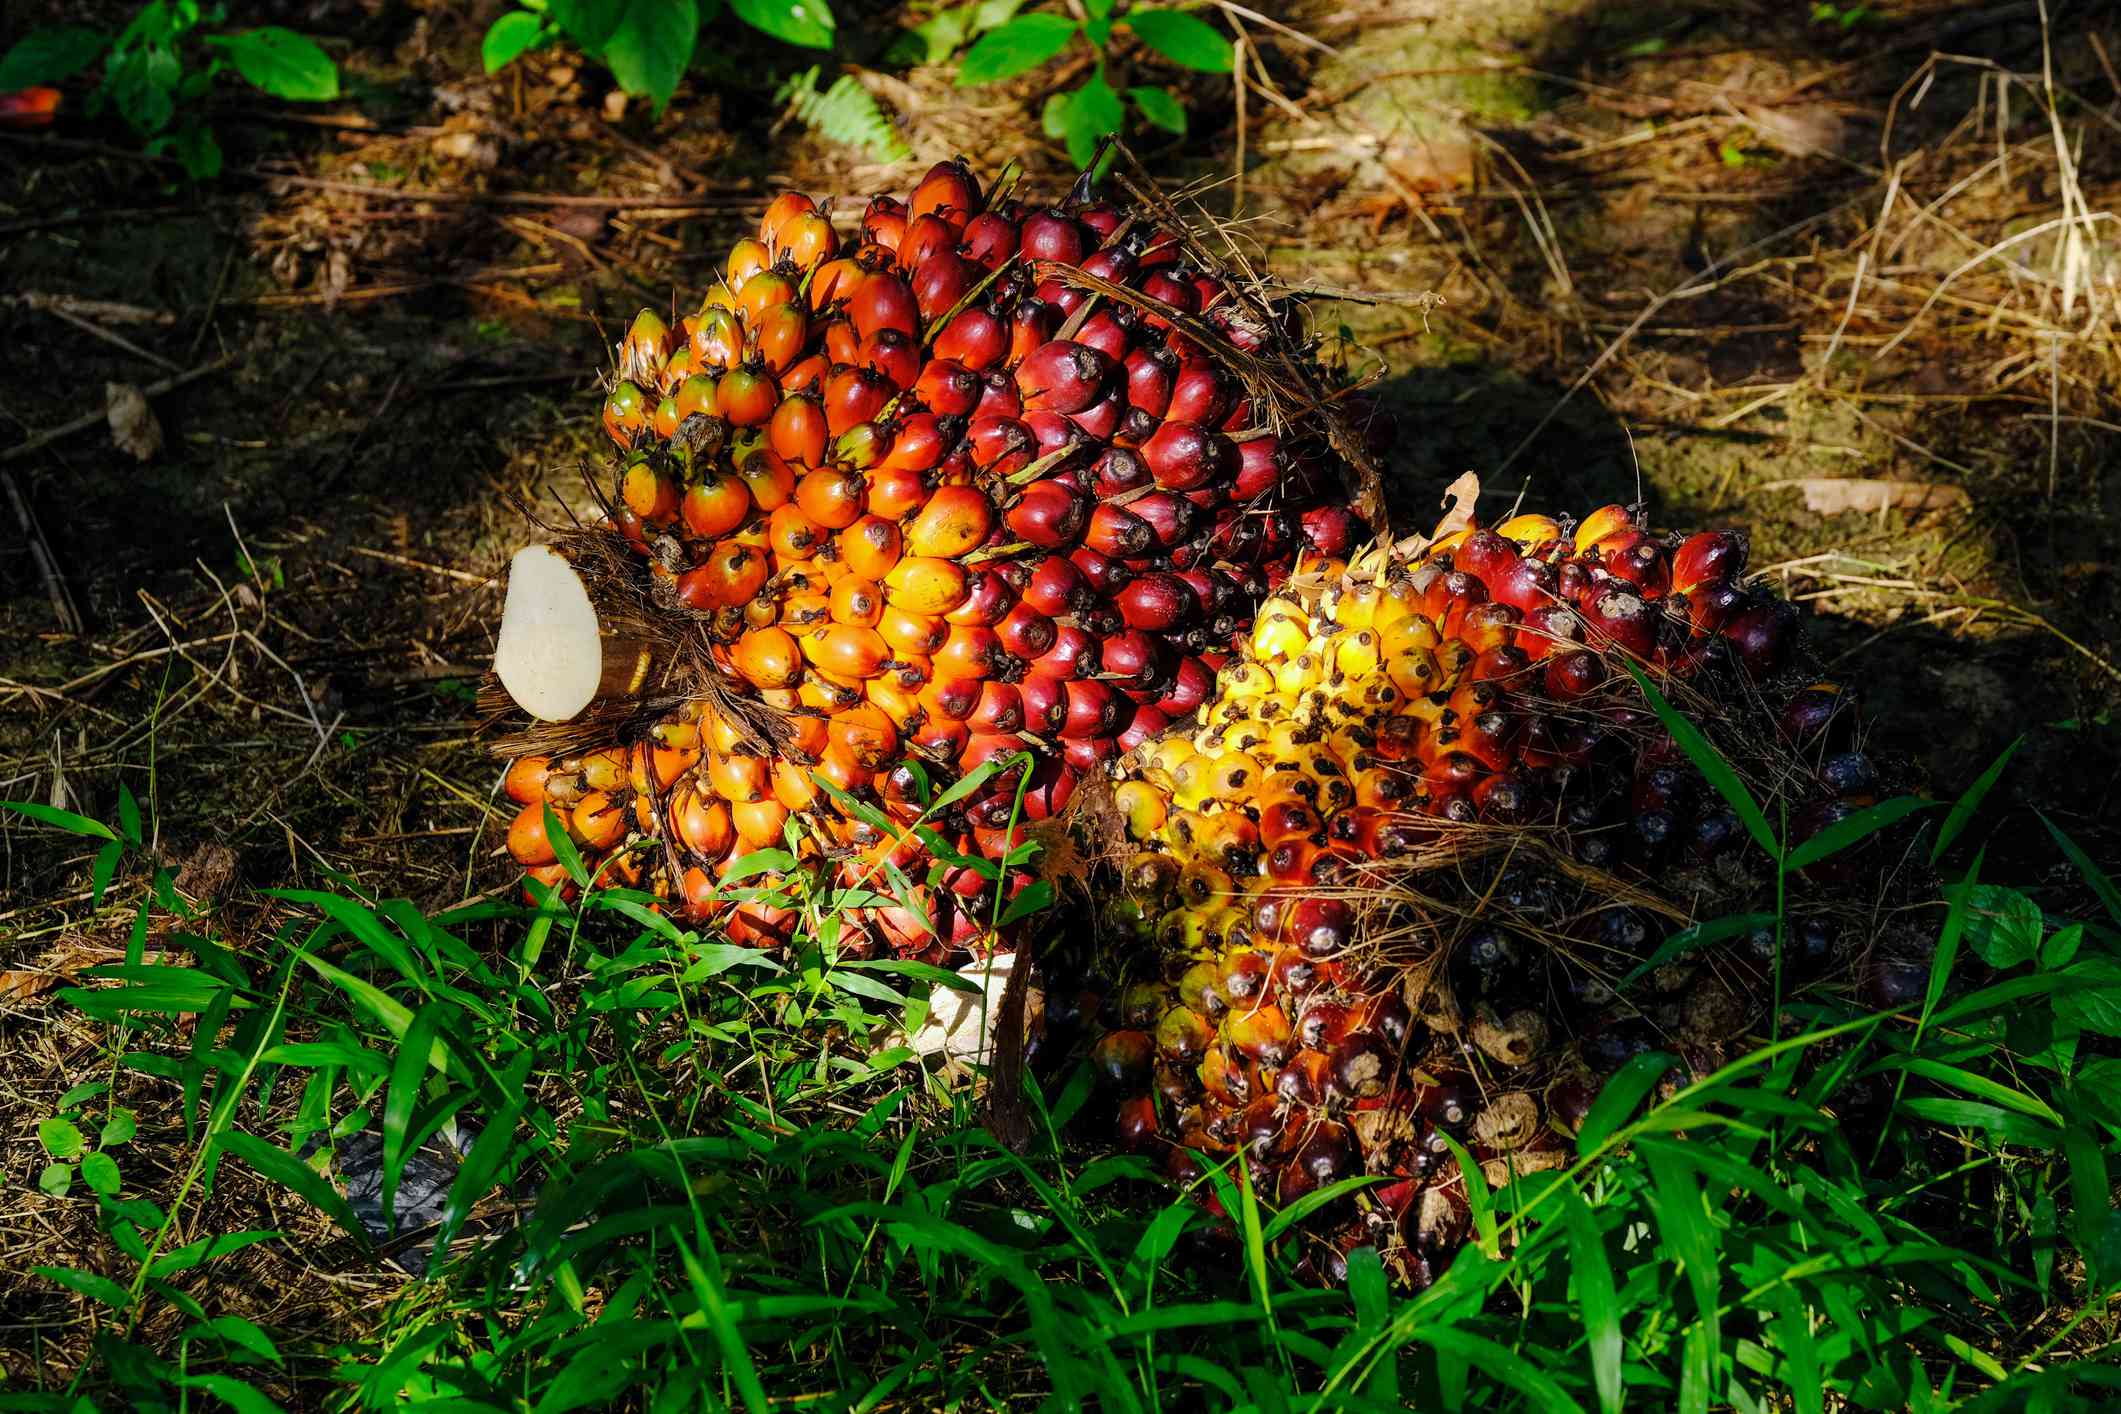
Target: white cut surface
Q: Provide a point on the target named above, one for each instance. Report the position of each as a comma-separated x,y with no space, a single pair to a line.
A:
549,655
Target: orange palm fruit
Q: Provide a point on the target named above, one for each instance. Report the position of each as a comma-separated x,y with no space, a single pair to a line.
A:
857,603
922,584
758,822
716,504
832,497
846,651
871,547
598,821
769,657
526,837
770,479
955,520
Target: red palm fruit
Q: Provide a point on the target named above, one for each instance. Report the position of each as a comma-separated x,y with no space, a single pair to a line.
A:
947,387
1063,375
835,281
1135,1126
1074,654
1183,456
906,633
525,780
780,211
989,596
700,897
701,822
763,291
758,822
1057,587
1602,524
527,840
941,282
952,699
999,711
1045,700
807,241
1147,724
1049,515
896,493
896,355
1620,617
1093,709
649,494
1448,597
1054,235
955,520
1112,262
1191,685
769,479
1151,375
858,603
1178,294
1120,470
626,413
1156,603
865,736
778,336
949,187
746,397
28,108
1820,714
1201,393
884,302
768,657
1644,565
792,535
792,786
730,576
1001,446
1260,467
1025,632
1137,662
990,240
1761,634
925,236
1057,437
870,547
1486,556
884,221
1710,605
1101,420
921,440
1331,530
922,584
840,342
981,748
1031,326
976,338
1104,332
832,497
1117,531
969,651
854,396
998,397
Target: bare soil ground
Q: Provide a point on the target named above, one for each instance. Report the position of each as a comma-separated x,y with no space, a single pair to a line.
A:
1848,280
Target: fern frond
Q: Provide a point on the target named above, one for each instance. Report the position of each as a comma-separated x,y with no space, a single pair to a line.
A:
844,113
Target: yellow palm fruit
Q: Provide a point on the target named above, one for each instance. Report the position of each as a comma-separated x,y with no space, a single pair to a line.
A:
1281,631
1426,707
1351,743
1208,884
1230,839
1170,753
1180,831
1529,532
1243,679
1283,741
1229,925
1357,652
1382,697
1295,673
1183,930
1143,805
1454,658
1232,774
1354,606
1414,671
1412,631
1398,599
1248,735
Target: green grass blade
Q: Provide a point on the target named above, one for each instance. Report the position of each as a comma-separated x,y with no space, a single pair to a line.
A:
2101,885
1962,811
1597,1300
1855,829
1619,1098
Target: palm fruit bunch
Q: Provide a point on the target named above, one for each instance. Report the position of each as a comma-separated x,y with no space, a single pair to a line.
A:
1381,891
979,478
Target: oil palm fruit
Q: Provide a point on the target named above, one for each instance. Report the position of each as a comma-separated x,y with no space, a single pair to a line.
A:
921,492
1387,879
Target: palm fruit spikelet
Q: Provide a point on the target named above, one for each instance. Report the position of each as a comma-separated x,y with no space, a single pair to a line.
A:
973,478
1383,891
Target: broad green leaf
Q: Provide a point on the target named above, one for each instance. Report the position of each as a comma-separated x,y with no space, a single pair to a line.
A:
1185,39
56,1180
60,1137
46,56
1094,113
1962,811
207,1249
649,50
282,63
103,870
1709,761
508,37
1619,1097
2091,995
293,1175
809,23
239,1333
95,1288
64,819
100,1172
1855,828
128,814
587,22
1014,48
238,1395
1161,107
2061,947
2003,926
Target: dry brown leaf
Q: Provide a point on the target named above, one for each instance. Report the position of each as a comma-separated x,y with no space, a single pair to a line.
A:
132,422
1833,495
1463,496
22,986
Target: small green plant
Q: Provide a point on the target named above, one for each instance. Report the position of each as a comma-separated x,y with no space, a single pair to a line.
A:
1093,110
1846,16
844,113
647,43
158,70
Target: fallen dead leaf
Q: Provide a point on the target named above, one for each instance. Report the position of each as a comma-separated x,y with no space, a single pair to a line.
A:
1834,495
1463,495
22,986
132,422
